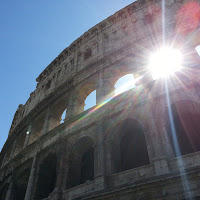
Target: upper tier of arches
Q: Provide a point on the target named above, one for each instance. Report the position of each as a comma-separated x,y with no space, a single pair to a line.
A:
108,42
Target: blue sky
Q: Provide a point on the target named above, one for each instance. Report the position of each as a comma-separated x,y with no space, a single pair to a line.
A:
32,34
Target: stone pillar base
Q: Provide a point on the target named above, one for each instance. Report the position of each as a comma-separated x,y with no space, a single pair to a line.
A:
100,182
161,165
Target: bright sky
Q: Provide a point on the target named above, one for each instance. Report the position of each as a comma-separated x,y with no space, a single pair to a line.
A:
32,34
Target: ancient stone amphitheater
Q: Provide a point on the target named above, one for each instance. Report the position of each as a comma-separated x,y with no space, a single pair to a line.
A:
124,147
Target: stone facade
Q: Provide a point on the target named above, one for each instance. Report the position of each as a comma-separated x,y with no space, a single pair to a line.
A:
89,155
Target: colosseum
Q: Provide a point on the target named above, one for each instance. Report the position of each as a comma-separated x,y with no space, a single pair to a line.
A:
142,144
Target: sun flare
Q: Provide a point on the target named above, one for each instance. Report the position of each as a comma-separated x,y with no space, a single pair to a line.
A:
125,83
165,62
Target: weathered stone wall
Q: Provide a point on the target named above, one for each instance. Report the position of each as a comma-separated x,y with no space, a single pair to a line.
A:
117,46
140,24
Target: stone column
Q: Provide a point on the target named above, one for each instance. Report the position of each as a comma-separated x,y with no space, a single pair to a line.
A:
105,89
45,127
99,165
76,105
69,112
51,121
13,149
9,192
29,188
99,151
4,159
61,170
80,104
159,159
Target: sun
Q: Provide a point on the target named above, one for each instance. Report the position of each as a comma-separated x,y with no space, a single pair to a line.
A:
165,62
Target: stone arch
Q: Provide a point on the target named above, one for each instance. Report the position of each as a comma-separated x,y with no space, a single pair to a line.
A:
82,92
81,163
47,176
124,83
8,155
20,142
57,109
37,126
186,117
90,100
118,72
129,149
161,111
20,183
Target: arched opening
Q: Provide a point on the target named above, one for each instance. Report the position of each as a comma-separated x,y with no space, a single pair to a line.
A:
85,96
37,127
129,148
46,177
90,101
3,191
63,116
20,184
198,49
124,83
87,166
186,117
81,167
7,156
58,111
20,143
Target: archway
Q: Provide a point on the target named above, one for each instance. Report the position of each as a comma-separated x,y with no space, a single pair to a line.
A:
81,167
185,136
129,148
124,83
46,177
20,184
90,100
3,191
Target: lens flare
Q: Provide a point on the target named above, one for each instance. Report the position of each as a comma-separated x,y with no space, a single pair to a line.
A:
165,62
125,83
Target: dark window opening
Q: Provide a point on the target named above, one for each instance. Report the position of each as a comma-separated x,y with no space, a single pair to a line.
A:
87,166
72,62
81,163
48,85
3,192
37,127
129,148
46,177
20,143
87,54
187,130
20,185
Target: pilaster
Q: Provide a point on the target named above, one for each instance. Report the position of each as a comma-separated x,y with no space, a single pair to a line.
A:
99,165
30,185
9,192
